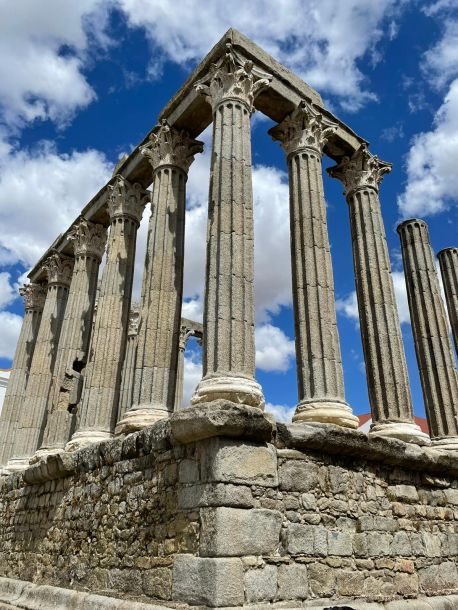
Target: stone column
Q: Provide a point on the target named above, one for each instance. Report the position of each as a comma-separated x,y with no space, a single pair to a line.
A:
386,368
128,370
170,153
99,403
188,329
34,299
88,241
448,260
319,366
229,351
433,347
32,416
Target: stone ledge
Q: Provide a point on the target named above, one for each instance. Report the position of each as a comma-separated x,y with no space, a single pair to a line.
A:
29,596
335,440
221,418
19,594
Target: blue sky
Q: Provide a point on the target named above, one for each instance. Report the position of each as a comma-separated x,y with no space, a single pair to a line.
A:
81,83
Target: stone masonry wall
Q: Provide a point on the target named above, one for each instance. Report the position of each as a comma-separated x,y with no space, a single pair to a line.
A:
232,521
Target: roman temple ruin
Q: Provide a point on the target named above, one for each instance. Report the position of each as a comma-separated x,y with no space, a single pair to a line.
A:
114,496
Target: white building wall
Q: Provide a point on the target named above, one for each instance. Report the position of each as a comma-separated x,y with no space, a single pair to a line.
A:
4,376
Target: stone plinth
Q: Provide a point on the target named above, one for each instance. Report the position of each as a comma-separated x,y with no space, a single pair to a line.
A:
386,368
433,347
171,153
99,405
229,350
319,365
34,299
322,516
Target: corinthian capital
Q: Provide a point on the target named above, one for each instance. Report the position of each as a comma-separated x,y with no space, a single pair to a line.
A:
233,78
34,296
59,269
126,199
168,146
361,170
88,238
305,127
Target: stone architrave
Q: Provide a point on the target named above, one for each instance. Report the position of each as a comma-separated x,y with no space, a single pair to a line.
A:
433,347
100,398
448,260
88,241
128,368
170,153
302,135
229,350
386,368
188,329
33,412
34,299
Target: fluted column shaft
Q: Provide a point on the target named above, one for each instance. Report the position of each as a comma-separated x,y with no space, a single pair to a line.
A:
448,260
89,243
386,368
32,420
188,329
34,298
319,365
433,347
170,153
99,403
128,370
229,349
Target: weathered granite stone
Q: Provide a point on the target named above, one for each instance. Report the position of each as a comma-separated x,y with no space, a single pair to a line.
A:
170,153
261,584
448,260
303,134
221,418
292,581
322,580
230,87
435,358
210,582
236,532
34,299
386,368
233,461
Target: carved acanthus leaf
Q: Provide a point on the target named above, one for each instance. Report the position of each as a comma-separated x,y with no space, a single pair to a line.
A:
168,146
233,78
305,127
59,269
126,199
34,296
88,238
361,170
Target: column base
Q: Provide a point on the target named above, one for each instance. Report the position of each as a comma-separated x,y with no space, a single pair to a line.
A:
447,443
238,389
403,431
138,418
85,438
326,412
17,465
44,452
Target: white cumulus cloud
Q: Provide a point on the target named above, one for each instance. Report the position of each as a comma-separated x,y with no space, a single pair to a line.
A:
311,37
282,413
274,350
10,323
41,193
43,49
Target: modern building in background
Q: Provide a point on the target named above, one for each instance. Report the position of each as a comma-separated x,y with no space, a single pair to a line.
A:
4,376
